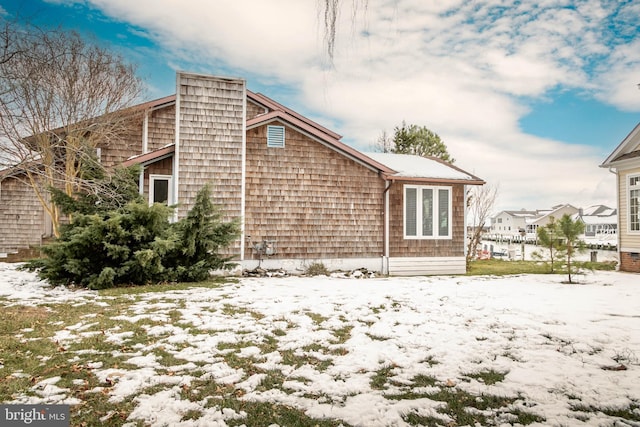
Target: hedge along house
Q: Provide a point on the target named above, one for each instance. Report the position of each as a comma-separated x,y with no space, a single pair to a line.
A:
624,161
301,194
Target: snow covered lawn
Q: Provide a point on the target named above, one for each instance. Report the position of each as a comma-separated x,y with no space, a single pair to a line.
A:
329,351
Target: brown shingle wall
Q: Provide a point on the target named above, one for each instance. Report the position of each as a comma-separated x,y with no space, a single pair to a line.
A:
254,110
161,167
211,120
314,202
401,247
161,127
21,216
124,146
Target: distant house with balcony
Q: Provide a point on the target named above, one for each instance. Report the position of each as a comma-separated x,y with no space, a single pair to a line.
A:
511,225
600,225
506,225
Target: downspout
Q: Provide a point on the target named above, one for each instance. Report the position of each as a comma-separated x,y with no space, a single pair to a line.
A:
385,254
619,233
466,234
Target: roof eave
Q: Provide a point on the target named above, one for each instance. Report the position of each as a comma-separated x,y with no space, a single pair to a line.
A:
473,181
622,164
273,105
150,157
631,138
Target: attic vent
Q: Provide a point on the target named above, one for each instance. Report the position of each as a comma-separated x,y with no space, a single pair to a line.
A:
275,136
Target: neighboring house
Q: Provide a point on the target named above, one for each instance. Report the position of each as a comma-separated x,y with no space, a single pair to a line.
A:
543,217
506,225
624,161
302,195
600,225
509,225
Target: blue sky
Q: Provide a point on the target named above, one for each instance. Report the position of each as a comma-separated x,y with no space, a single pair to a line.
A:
530,96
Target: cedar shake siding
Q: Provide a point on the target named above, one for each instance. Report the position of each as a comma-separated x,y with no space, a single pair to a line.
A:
210,143
254,110
314,202
211,118
124,146
161,127
161,167
21,216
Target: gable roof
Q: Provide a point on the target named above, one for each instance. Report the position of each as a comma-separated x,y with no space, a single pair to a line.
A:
598,210
523,213
391,166
275,106
552,213
628,149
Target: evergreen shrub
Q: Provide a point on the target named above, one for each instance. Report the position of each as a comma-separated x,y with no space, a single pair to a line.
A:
136,244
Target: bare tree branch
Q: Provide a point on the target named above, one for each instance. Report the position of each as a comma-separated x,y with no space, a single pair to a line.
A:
330,10
480,201
60,97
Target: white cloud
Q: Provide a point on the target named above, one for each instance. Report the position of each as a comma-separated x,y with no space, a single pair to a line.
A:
459,68
257,36
619,78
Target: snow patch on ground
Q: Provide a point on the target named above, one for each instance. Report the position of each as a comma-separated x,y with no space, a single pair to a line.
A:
551,340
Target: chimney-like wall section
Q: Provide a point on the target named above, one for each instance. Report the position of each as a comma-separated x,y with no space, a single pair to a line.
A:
210,143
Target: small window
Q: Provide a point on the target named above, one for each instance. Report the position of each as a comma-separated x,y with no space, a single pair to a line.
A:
275,136
427,212
160,189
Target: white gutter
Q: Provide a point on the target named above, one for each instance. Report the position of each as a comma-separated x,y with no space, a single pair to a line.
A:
466,209
619,233
385,254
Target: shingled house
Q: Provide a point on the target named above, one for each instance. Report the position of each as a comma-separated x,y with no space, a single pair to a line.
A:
303,196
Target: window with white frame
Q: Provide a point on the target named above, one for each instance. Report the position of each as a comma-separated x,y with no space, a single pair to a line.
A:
160,190
634,202
427,212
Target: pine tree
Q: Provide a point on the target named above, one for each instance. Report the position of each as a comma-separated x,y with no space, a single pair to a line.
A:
419,140
549,237
570,231
107,192
200,237
136,244
102,251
